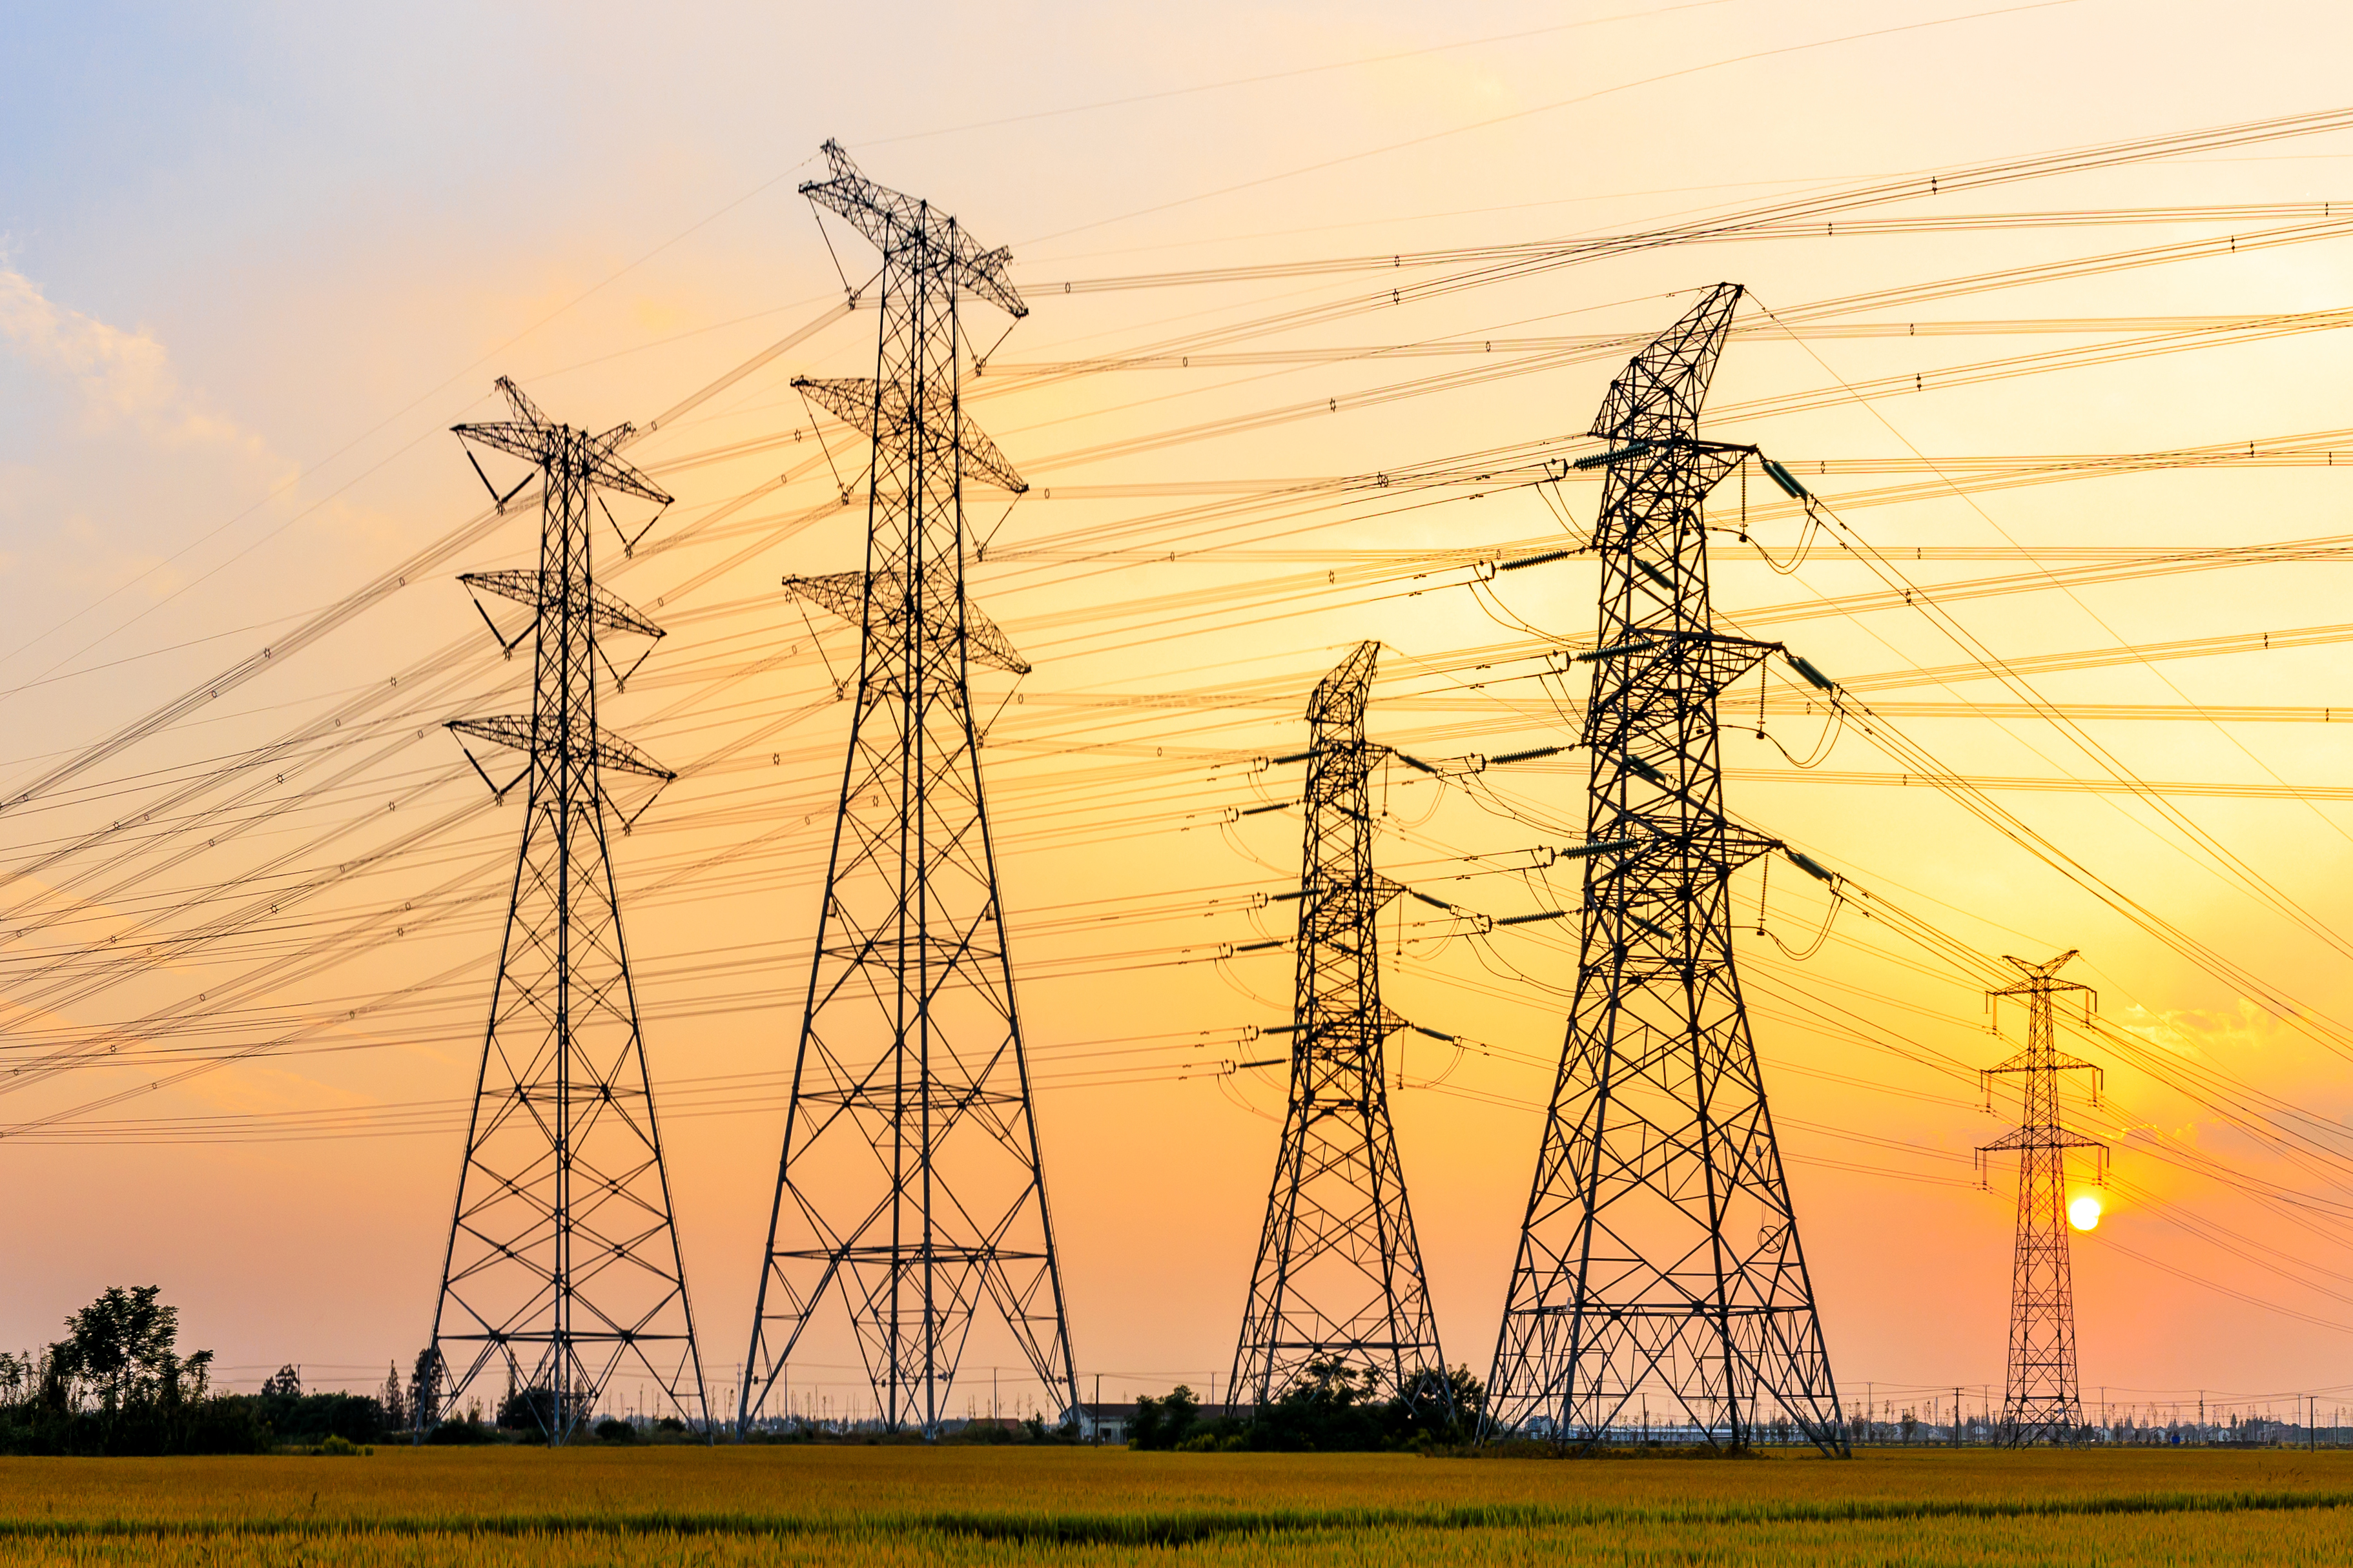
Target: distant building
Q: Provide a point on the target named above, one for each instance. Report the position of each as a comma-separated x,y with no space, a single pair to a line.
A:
1113,1423
1105,1423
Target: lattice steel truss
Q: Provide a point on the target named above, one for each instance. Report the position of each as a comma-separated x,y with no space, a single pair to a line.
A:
1659,1266
910,1184
2041,1401
1339,1272
564,1266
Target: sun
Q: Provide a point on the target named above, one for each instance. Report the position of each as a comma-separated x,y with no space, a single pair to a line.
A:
2084,1211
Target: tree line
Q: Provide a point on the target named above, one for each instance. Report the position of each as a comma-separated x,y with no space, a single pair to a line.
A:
117,1383
1334,1408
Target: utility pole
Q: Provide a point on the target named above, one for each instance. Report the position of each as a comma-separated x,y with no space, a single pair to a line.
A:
564,1263
910,1185
1339,1275
2041,1399
1660,1250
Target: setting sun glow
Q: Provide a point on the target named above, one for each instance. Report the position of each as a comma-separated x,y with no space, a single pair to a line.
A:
2084,1211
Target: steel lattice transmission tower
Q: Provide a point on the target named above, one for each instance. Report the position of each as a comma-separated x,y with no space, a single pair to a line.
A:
2041,1399
564,1266
1339,1272
910,1185
1659,1267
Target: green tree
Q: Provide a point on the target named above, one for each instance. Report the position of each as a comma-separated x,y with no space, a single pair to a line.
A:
394,1400
122,1349
425,1390
118,1385
1164,1423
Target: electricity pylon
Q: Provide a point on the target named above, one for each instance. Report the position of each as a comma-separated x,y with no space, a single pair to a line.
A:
2041,1401
1339,1272
1659,1266
910,1185
564,1266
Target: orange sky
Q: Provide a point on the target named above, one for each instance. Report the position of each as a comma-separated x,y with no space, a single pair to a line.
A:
252,275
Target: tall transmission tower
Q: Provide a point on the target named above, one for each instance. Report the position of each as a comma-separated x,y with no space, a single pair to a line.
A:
1339,1271
2041,1400
1659,1267
910,1184
564,1266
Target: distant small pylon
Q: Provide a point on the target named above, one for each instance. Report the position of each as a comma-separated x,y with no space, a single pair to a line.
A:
2041,1401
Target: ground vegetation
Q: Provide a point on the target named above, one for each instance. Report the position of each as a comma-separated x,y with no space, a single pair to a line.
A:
1085,1507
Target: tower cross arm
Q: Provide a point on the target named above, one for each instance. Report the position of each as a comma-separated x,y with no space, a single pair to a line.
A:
518,731
884,411
530,442
532,587
896,224
1643,446
846,594
2025,1061
606,467
542,445
1716,659
2039,1138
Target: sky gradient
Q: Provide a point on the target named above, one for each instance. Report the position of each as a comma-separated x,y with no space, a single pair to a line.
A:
255,261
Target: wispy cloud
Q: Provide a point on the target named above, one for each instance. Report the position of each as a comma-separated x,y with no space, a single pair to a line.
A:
121,376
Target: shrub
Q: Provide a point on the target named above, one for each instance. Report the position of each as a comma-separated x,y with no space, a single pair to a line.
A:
1334,1408
312,1418
542,1412
461,1432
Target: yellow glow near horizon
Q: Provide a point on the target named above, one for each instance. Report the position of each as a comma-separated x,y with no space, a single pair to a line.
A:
2084,1211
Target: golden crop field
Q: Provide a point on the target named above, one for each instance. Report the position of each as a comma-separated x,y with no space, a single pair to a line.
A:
986,1506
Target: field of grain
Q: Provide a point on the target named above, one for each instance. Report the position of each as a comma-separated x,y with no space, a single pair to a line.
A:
990,1506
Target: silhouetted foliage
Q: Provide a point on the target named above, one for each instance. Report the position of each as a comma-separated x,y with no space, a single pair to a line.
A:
118,1385
424,1389
1334,1408
461,1433
312,1418
1164,1423
394,1400
537,1411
